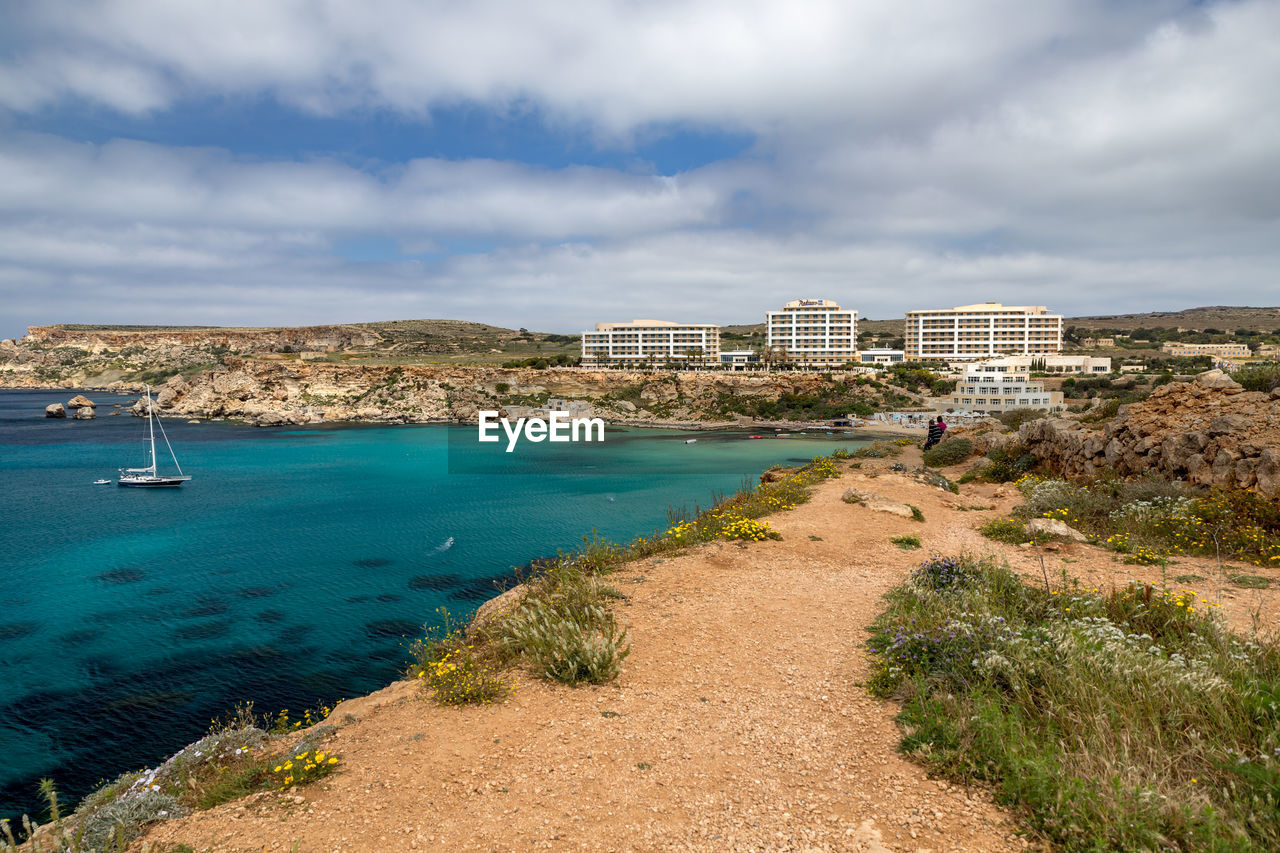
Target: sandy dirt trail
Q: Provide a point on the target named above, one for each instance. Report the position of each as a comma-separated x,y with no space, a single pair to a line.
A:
739,723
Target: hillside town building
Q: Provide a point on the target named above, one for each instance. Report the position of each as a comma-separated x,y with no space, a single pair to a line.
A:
971,332
1175,348
812,333
651,341
1000,385
1057,363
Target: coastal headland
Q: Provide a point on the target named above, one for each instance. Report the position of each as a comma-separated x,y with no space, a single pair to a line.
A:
741,719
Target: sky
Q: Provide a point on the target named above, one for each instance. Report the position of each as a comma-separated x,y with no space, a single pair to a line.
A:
552,165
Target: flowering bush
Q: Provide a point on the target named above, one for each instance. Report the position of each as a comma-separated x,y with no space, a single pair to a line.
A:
461,678
304,767
942,574
1131,720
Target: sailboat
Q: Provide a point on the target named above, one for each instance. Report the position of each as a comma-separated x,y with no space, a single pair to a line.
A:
150,477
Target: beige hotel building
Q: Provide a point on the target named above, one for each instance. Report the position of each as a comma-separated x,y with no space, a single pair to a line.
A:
813,333
969,332
651,341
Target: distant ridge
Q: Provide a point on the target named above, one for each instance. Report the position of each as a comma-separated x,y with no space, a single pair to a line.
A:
1225,317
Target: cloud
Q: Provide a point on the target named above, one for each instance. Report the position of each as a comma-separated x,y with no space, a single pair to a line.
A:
127,181
1088,155
618,65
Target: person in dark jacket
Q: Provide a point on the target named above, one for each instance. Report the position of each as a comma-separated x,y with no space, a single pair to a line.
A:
935,432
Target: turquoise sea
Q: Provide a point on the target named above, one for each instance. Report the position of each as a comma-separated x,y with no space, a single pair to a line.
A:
293,569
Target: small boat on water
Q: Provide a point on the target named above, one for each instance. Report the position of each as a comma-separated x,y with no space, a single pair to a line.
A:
691,441
102,482
150,477
755,436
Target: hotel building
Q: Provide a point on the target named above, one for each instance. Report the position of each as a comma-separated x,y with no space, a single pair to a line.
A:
1212,350
813,333
651,341
969,332
1000,385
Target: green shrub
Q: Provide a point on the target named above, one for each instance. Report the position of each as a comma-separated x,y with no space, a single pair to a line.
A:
916,514
879,449
1258,377
1007,463
1105,412
569,647
1015,418
1009,530
951,451
1133,720
906,543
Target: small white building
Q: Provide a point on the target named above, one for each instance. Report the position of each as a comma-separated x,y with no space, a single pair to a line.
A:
1065,364
739,359
881,356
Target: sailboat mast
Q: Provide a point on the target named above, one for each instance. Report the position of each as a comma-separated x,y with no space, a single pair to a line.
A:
151,426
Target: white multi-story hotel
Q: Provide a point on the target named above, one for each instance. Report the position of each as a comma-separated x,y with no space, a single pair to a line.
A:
1000,385
969,332
651,341
813,333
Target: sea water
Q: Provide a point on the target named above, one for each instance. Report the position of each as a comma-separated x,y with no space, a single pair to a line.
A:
293,569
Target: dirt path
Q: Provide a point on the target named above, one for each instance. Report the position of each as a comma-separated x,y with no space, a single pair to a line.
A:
739,723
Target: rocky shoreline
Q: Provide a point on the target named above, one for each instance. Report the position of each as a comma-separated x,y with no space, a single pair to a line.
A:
290,393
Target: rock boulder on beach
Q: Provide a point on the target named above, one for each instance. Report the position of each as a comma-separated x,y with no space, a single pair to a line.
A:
55,410
85,413
80,401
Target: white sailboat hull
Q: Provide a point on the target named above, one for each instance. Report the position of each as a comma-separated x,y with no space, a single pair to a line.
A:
149,482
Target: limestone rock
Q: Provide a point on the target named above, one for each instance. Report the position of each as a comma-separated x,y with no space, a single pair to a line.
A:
877,502
496,607
1053,527
84,413
626,406
1218,380
55,410
79,402
271,419
1209,431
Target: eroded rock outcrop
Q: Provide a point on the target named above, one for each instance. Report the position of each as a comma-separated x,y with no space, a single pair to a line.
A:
1209,431
275,393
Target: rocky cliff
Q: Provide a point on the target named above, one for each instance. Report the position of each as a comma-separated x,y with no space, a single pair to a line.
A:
98,341
1210,431
275,392
70,357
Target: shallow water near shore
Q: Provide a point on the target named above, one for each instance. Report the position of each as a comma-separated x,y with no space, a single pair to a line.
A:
293,569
